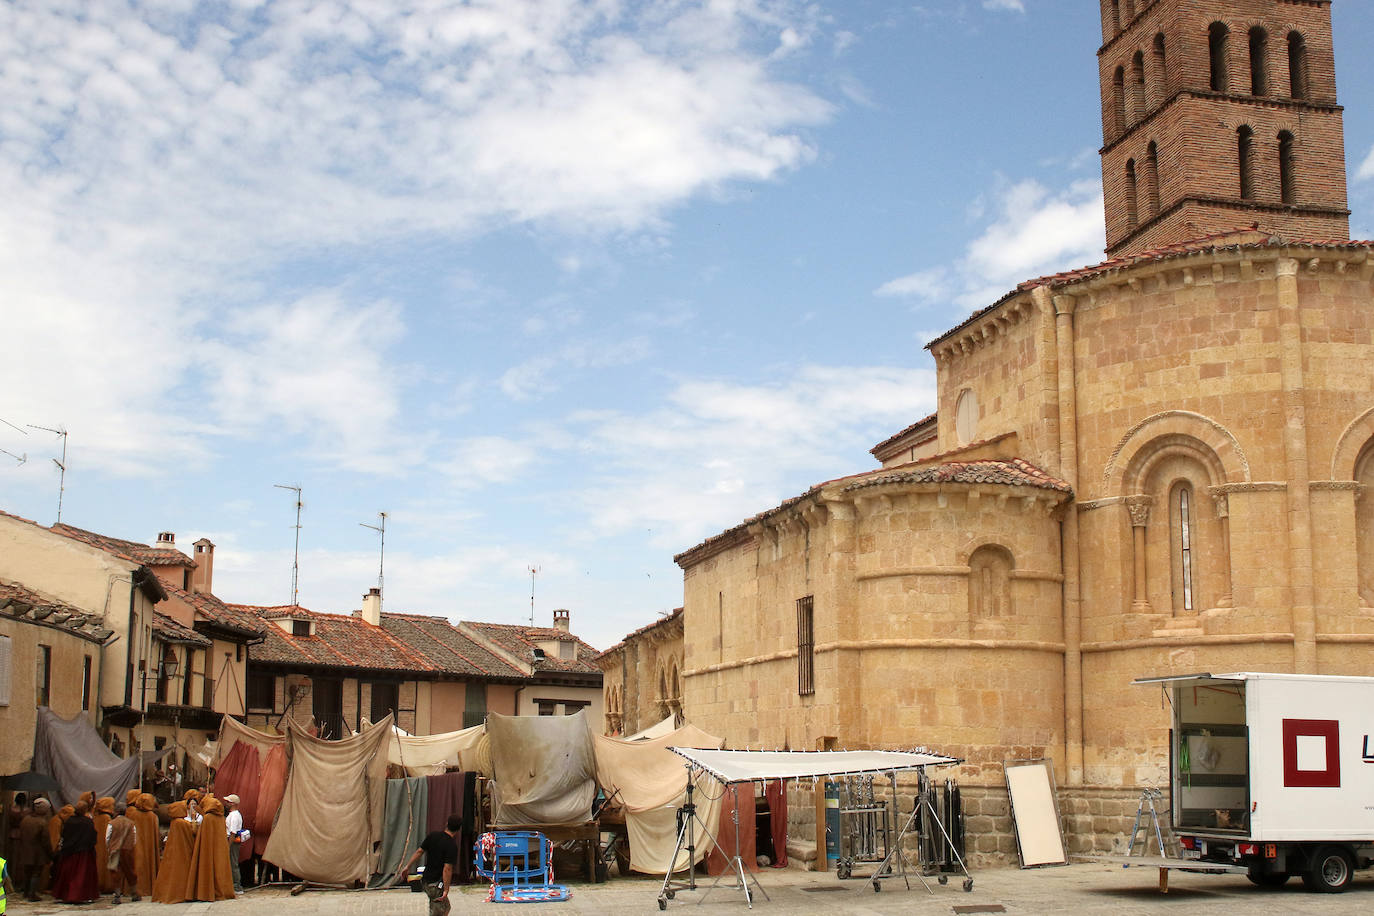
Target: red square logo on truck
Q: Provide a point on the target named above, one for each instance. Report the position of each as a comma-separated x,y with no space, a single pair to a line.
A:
1311,753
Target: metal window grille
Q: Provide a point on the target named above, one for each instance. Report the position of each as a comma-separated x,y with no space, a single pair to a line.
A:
806,647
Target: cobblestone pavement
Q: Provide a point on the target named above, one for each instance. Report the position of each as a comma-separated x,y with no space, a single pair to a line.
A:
1074,889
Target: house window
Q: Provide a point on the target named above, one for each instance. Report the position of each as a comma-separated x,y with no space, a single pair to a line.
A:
1216,53
261,692
86,683
385,700
474,704
567,650
547,707
806,646
571,707
43,683
300,628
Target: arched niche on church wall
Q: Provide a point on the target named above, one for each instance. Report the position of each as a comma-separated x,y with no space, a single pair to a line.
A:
991,603
1364,523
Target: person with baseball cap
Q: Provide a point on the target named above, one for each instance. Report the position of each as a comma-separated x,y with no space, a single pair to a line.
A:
233,826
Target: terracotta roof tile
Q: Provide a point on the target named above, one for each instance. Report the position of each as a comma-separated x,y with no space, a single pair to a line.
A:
339,641
1012,472
129,550
898,435
23,603
446,647
521,641
168,630
215,611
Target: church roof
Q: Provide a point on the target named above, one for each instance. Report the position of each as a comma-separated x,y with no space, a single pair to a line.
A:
1231,240
1011,472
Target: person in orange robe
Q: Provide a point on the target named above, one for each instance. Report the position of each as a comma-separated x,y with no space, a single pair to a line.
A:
104,813
147,850
209,877
55,825
174,869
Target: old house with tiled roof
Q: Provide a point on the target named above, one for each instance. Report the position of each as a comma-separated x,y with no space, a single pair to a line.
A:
561,673
1155,465
342,669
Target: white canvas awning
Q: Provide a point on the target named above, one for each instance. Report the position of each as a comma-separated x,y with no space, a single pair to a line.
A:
755,766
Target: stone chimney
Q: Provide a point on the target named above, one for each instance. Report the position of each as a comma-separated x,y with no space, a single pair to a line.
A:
167,539
202,577
562,621
372,606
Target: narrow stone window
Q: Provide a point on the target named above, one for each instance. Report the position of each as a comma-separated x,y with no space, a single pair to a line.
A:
806,647
1286,166
1138,106
1132,201
1119,100
1216,51
1152,179
86,684
1245,143
1259,67
1161,64
1297,65
1181,519
43,680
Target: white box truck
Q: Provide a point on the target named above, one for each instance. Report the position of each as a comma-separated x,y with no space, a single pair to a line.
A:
1274,772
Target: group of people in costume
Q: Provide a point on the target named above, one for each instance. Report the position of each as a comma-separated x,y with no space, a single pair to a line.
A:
98,847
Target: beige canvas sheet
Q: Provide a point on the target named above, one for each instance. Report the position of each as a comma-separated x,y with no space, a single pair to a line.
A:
543,771
434,755
652,784
232,731
331,814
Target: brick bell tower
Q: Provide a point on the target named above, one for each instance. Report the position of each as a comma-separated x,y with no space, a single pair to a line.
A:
1216,115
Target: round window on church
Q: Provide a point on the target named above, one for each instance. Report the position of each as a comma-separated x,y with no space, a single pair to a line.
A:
966,416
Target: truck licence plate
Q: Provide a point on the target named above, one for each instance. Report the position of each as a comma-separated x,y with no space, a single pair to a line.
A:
1192,853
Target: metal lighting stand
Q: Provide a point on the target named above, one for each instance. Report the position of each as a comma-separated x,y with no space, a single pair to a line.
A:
895,864
688,820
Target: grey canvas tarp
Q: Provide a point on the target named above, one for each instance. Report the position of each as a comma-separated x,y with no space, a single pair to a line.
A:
651,782
331,813
407,807
71,752
543,769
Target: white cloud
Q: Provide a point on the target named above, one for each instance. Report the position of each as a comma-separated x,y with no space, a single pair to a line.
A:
1033,231
1366,168
718,452
541,375
1013,6
154,159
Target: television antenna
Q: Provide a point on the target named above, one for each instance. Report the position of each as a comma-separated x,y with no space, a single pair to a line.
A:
380,528
61,465
296,556
534,571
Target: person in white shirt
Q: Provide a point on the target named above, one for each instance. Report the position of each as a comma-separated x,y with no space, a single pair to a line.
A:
233,825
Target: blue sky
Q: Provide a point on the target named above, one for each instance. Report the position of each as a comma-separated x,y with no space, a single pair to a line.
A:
571,285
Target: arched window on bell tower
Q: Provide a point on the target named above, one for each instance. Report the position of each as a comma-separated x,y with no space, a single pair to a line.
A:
1297,65
1245,154
1119,100
1161,65
1259,65
1286,177
1138,103
1217,34
1152,179
1132,199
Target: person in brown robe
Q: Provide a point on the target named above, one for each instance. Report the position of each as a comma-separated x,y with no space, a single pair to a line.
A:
104,813
34,852
209,877
148,849
122,844
174,869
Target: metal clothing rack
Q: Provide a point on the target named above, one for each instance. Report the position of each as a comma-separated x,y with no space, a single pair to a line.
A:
688,820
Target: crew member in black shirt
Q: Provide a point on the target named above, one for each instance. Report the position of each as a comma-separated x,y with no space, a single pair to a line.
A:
441,857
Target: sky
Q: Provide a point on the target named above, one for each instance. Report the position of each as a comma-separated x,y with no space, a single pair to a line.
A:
562,285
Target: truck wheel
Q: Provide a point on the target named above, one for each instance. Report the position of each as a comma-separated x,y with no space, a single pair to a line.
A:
1329,870
1267,878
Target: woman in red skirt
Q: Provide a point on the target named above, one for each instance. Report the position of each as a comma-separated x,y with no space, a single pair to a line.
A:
75,879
